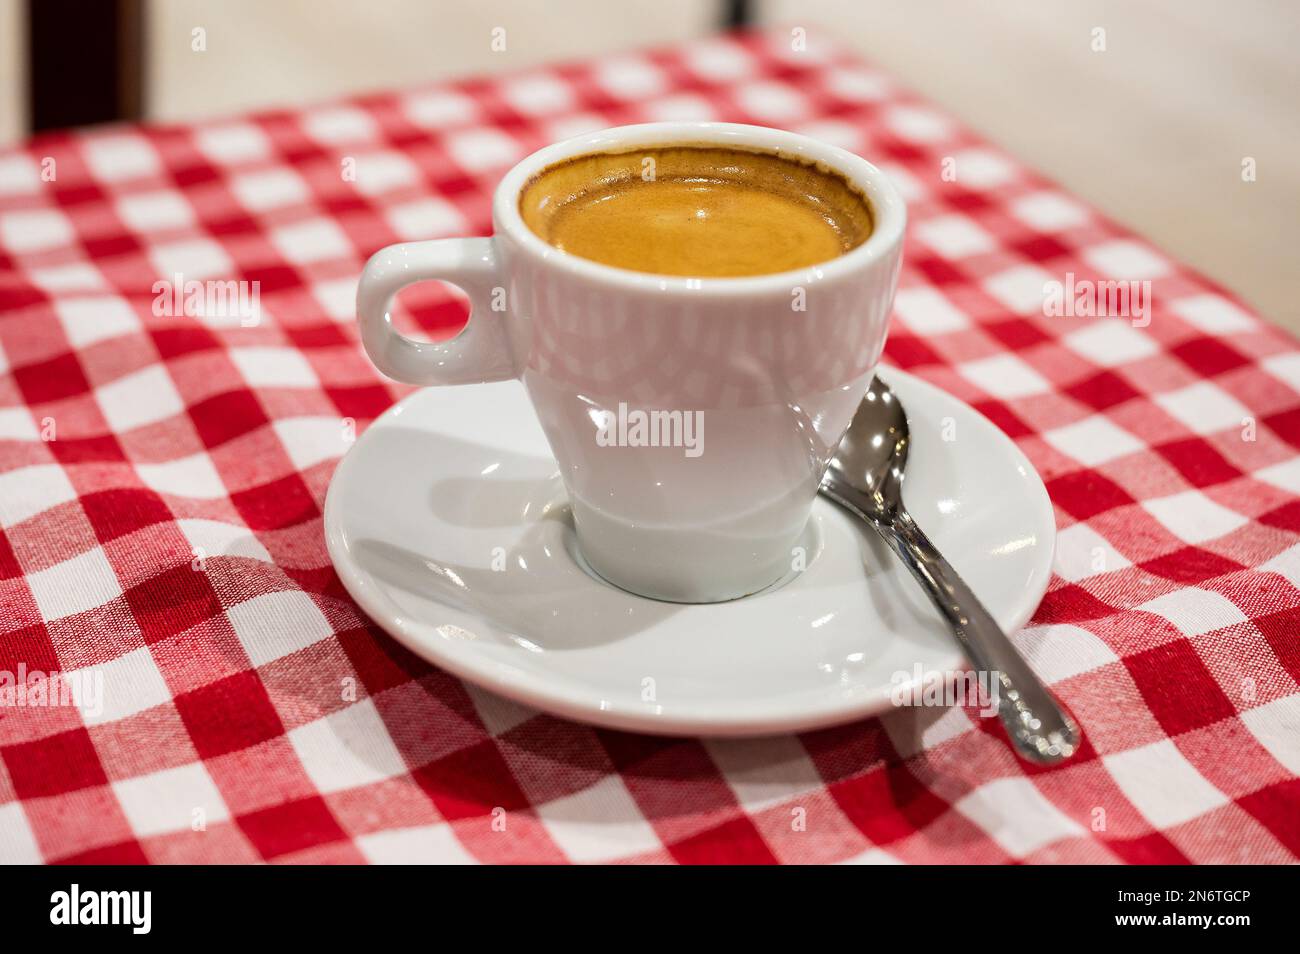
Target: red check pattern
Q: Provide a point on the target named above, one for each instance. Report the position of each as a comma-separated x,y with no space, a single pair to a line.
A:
161,481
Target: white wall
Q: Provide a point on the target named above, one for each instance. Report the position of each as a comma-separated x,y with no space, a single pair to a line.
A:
1153,131
262,52
13,70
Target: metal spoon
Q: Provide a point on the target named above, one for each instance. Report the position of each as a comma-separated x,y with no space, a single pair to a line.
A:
866,477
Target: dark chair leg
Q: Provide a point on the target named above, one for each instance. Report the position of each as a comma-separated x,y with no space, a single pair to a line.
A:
85,62
737,14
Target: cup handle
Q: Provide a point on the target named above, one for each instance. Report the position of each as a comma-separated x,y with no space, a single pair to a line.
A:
480,353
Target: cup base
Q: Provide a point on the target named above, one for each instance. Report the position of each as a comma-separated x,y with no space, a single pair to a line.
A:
694,589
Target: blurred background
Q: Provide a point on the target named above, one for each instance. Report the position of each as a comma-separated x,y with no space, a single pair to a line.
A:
1153,129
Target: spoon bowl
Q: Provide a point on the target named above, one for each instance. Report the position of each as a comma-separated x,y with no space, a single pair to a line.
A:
872,456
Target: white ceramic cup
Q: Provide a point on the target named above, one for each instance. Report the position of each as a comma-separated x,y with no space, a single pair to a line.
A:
750,382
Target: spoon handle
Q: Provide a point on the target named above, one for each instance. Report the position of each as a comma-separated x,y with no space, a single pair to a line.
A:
1039,728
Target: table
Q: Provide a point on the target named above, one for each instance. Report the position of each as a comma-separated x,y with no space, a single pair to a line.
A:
215,696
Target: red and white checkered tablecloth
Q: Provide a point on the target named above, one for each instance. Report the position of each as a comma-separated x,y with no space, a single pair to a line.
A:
161,482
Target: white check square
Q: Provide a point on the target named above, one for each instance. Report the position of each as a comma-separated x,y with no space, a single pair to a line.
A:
1162,784
857,85
951,724
17,841
75,585
483,148
270,189
719,60
16,424
1061,651
19,175
121,156
87,320
1285,475
953,236
539,94
27,491
919,124
1195,611
347,748
1203,408
130,683
498,714
274,367
438,109
339,124
192,476
170,800
149,211
1285,564
630,77
1049,211
771,101
1093,441
380,172
212,538
426,845
1004,376
425,218
1082,552
193,259
35,230
315,240
1285,367
765,772
1126,259
338,297
1110,342
277,624
685,107
574,124
1017,816
73,277
928,311
1213,314
1193,517
145,397
621,832
837,132
233,143
1277,727
1022,288
310,440
983,168
872,856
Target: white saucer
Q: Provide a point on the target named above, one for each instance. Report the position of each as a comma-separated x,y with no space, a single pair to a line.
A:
447,523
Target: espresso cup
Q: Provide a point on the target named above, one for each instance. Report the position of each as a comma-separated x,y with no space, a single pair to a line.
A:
692,418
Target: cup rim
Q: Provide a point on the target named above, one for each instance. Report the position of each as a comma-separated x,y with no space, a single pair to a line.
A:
888,210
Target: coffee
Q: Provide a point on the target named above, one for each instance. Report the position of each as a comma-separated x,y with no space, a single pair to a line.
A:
696,210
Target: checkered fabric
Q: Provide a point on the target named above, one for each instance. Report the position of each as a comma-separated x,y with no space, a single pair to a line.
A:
162,475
